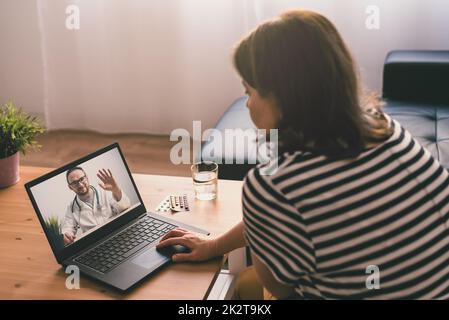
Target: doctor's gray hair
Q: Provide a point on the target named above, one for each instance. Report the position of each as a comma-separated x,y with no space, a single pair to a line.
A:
71,170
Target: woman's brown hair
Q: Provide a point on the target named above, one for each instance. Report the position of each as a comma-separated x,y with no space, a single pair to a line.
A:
301,60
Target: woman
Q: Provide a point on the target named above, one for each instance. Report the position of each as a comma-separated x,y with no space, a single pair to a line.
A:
354,192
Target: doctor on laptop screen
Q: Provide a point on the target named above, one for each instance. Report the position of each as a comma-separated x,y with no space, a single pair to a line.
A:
85,197
92,205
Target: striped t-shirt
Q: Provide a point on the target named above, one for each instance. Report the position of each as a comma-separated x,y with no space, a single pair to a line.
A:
375,226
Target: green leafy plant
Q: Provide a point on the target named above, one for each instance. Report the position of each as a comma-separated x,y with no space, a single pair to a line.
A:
53,225
17,130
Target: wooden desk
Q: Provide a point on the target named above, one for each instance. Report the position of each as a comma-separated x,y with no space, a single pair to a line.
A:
28,269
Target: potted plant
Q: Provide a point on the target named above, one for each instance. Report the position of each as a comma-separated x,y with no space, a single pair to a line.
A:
17,133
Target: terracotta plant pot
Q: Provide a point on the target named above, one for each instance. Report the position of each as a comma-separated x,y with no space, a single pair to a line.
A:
9,170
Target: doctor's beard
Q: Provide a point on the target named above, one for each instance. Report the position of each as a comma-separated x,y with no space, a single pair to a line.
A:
82,191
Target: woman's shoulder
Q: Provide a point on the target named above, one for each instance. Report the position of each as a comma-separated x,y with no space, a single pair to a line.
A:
272,173
295,165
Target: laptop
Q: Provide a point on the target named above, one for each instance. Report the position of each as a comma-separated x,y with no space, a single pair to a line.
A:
94,218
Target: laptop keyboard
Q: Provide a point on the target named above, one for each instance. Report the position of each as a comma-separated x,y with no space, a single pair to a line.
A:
115,250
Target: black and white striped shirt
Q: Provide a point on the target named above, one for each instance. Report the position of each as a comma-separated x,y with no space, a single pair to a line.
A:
318,224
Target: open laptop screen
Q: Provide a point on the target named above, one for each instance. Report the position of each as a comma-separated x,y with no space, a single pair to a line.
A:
84,197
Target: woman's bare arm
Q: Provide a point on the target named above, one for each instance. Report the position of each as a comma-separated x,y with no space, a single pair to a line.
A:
231,240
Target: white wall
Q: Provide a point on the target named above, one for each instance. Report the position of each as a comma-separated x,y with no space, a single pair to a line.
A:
156,65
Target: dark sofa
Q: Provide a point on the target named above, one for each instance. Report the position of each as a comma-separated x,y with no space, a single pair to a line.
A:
416,92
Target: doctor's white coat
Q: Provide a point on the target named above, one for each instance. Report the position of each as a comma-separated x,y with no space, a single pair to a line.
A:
89,217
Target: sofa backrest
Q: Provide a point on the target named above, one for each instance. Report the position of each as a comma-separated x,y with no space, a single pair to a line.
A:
417,76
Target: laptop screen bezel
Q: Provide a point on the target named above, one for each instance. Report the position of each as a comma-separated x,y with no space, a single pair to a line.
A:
104,230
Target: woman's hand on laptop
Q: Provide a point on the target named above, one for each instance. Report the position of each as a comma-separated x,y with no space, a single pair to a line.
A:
200,248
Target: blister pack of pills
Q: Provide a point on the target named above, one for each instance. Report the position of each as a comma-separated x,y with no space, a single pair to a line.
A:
173,203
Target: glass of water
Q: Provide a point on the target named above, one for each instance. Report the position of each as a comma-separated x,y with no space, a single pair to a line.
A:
205,177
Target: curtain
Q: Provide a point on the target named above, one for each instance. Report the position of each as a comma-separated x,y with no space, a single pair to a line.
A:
156,65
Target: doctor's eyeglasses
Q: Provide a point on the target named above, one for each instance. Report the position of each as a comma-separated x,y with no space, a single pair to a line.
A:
79,181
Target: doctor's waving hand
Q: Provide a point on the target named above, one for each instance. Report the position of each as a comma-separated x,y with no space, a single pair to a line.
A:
92,206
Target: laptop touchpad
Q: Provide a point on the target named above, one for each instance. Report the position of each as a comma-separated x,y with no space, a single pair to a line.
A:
150,259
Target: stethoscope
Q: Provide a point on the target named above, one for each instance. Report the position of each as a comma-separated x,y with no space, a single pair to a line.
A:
75,201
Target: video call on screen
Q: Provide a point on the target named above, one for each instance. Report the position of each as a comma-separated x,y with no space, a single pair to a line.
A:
84,198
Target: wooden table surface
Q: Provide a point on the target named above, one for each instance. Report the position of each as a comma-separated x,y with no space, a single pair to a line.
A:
28,269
